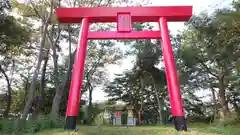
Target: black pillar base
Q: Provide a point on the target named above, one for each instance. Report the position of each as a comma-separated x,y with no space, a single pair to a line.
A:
70,123
180,123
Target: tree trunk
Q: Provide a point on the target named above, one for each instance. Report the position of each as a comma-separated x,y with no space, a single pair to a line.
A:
56,103
25,91
40,102
160,107
89,85
90,96
60,90
215,107
60,87
141,97
9,93
90,108
224,111
32,92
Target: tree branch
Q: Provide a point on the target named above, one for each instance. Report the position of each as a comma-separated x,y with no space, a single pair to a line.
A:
35,10
92,70
205,66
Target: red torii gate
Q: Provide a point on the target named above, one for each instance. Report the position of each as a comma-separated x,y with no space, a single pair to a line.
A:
124,16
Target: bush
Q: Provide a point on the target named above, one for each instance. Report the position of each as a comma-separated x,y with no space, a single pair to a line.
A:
230,122
6,126
31,126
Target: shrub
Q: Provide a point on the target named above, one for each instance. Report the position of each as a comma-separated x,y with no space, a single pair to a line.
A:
31,126
6,125
230,122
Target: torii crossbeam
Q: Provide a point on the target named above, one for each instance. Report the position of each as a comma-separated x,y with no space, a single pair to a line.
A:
124,16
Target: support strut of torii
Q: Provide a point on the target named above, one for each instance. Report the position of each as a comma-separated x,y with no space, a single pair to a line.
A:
124,16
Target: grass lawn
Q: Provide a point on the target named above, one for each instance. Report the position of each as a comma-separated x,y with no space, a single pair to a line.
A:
147,130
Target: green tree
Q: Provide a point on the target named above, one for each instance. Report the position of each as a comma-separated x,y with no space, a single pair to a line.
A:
143,77
14,35
209,53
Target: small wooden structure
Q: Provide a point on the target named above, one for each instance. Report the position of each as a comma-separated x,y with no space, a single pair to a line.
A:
131,119
117,118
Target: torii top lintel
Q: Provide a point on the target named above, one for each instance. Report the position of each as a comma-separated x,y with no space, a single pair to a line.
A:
138,14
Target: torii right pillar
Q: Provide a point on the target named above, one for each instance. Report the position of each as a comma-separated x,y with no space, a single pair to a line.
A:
172,77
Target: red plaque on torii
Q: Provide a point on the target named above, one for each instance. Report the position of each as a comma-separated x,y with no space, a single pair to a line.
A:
125,16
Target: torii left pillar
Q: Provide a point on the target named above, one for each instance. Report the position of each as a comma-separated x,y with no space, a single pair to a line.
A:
124,16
